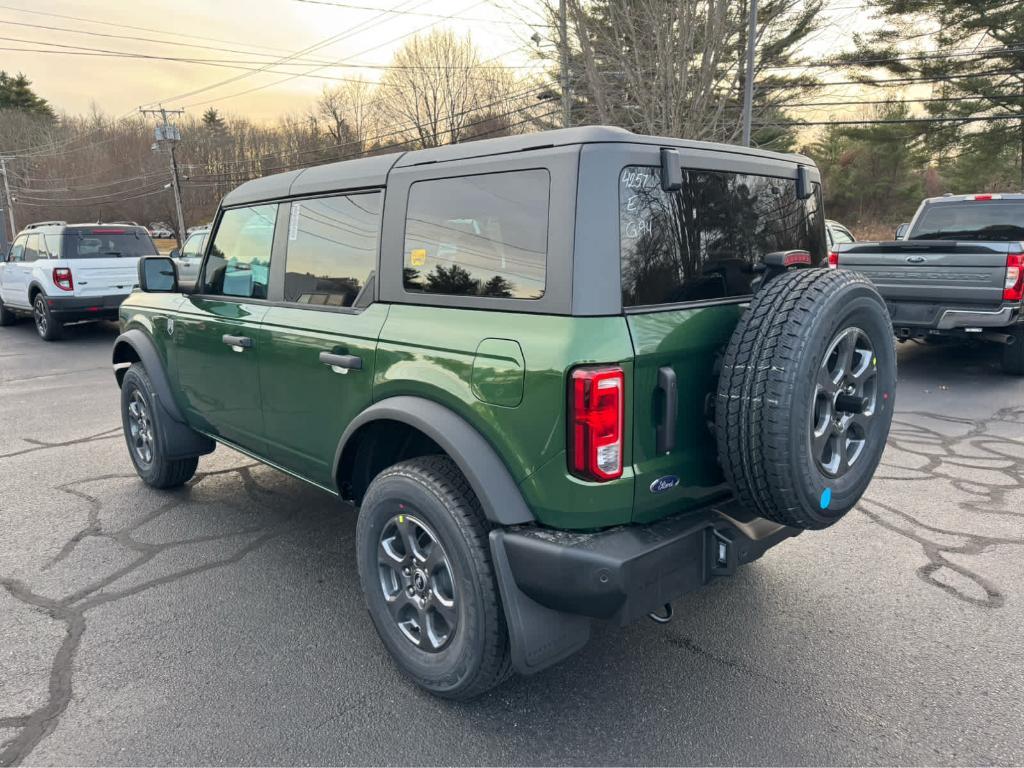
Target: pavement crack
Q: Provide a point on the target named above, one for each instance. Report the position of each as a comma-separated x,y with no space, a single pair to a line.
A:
40,445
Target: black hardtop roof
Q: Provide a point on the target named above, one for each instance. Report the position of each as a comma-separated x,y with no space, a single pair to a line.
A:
373,171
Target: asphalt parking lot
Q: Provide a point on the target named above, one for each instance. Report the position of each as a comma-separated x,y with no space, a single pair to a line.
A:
223,623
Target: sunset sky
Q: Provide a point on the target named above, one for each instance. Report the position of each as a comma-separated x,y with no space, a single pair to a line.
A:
234,33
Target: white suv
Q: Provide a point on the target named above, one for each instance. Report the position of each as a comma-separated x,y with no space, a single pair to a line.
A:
66,273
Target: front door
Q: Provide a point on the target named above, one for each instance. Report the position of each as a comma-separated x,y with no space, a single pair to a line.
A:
217,331
16,272
317,358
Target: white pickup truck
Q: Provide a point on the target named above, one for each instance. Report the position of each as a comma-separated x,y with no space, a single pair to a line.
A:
956,270
65,273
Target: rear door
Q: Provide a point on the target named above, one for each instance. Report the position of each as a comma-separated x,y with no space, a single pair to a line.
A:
688,262
217,330
104,260
317,359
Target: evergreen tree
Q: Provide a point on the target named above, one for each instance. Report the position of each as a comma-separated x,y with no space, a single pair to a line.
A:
16,93
213,122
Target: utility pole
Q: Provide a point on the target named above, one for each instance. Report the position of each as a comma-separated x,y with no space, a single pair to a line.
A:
563,55
169,135
7,195
748,81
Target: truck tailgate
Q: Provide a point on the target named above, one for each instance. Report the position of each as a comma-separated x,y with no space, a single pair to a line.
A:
932,271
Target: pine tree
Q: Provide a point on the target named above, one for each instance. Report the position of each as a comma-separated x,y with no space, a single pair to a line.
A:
16,93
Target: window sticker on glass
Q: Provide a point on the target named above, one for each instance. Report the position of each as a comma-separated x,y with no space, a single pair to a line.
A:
293,221
418,257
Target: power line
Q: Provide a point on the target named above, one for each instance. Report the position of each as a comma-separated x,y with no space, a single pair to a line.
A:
404,13
886,81
899,121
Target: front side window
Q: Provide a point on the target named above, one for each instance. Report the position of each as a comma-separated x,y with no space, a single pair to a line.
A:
239,260
332,249
482,235
193,246
701,243
18,249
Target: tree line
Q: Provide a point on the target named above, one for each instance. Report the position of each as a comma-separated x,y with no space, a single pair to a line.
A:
941,84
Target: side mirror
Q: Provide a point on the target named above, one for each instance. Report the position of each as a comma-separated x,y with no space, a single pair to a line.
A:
175,253
901,230
158,274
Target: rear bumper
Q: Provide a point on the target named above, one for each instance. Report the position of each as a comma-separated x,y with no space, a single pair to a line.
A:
922,315
69,309
624,573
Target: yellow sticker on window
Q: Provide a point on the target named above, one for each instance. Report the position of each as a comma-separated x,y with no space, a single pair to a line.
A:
418,257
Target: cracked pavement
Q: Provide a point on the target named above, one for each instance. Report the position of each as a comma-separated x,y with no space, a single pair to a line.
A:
223,624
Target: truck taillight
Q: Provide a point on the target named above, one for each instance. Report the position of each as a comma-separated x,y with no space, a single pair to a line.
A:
596,422
833,259
1013,288
62,279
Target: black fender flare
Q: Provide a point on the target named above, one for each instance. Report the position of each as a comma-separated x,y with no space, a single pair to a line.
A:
487,474
32,288
179,439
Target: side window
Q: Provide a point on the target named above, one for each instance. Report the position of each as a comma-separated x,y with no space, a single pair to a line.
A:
842,236
239,261
702,242
193,246
18,249
332,249
31,248
482,235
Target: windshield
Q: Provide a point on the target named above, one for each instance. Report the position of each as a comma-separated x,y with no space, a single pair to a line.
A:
990,220
103,243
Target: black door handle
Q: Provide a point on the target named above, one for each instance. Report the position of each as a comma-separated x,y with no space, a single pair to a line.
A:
666,434
237,341
353,362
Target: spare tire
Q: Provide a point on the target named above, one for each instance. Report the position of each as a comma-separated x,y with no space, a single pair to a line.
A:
806,396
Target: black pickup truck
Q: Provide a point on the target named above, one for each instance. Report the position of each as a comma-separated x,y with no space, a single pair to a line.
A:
956,270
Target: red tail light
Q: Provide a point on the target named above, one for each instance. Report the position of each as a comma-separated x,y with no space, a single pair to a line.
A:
833,259
62,279
596,422
1013,288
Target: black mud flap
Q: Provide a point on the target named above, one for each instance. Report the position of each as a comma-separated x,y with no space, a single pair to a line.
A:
539,637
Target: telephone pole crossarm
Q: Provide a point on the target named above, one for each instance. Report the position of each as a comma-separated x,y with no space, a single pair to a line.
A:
167,134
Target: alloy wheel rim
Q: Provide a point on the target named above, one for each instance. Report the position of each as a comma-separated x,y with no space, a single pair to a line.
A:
844,403
417,582
39,311
140,428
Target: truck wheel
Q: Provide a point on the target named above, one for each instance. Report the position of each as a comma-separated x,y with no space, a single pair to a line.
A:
806,396
425,568
142,434
6,316
48,328
1013,354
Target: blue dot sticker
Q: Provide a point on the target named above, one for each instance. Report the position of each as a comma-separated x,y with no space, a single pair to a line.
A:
826,498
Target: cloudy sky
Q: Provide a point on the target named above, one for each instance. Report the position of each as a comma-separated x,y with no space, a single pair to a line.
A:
84,41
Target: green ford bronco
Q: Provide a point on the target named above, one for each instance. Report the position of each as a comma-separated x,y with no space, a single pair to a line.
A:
563,376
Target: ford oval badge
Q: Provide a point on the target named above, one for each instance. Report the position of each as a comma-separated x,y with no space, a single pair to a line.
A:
663,484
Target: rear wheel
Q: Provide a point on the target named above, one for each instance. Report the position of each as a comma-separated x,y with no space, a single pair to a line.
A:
805,397
142,427
1013,353
47,327
6,316
426,573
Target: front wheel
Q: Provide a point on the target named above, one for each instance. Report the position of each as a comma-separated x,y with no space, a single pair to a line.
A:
426,573
142,426
47,327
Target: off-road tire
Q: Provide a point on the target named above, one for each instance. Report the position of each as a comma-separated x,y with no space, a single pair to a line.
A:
6,316
1013,354
768,387
160,472
476,658
48,328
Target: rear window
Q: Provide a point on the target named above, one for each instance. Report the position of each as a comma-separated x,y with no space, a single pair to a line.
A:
482,235
102,243
701,243
998,220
